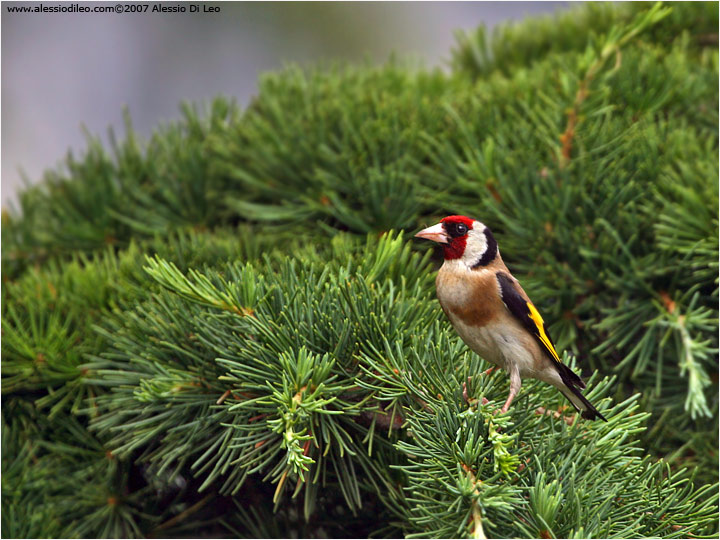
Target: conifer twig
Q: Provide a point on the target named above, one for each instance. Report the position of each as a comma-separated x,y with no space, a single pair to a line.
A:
185,513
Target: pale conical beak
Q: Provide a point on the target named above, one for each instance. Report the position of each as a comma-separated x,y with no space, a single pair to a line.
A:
436,233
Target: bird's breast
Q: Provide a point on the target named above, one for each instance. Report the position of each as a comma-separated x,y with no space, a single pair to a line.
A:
481,339
471,300
471,296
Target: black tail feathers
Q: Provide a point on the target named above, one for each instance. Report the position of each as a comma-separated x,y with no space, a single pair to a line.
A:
590,413
572,392
569,377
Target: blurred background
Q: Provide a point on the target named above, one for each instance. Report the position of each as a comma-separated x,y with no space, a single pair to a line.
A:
61,71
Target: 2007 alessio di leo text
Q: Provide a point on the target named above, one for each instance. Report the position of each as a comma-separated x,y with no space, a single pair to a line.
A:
115,8
191,8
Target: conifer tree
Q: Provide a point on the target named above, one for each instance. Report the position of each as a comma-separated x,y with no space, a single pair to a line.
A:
227,330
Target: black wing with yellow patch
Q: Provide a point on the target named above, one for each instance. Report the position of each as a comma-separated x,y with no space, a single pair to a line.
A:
525,312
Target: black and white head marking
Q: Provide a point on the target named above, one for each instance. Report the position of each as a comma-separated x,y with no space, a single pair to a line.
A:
489,248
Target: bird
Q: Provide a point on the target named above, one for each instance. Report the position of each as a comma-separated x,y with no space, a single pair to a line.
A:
492,313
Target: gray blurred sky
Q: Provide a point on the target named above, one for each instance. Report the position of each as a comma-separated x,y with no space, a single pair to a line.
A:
63,71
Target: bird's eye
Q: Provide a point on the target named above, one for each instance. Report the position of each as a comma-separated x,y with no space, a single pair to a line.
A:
461,229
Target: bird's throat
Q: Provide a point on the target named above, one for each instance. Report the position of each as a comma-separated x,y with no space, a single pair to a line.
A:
455,249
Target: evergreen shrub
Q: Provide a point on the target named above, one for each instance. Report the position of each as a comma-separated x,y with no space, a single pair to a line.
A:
227,330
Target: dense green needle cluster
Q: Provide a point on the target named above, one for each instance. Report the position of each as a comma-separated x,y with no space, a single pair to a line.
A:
228,331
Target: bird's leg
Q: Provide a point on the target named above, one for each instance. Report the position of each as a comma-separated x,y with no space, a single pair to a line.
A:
515,383
465,391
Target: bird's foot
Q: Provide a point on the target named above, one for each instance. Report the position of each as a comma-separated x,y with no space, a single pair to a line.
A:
465,394
468,399
465,391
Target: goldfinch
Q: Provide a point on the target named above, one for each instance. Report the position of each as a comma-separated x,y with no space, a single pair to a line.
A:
490,310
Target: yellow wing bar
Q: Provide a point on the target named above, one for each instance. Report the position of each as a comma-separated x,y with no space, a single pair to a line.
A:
537,319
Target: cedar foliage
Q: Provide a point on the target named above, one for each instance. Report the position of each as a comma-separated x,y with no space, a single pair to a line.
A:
227,330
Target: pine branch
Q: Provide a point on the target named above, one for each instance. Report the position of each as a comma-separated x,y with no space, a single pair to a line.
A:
220,314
